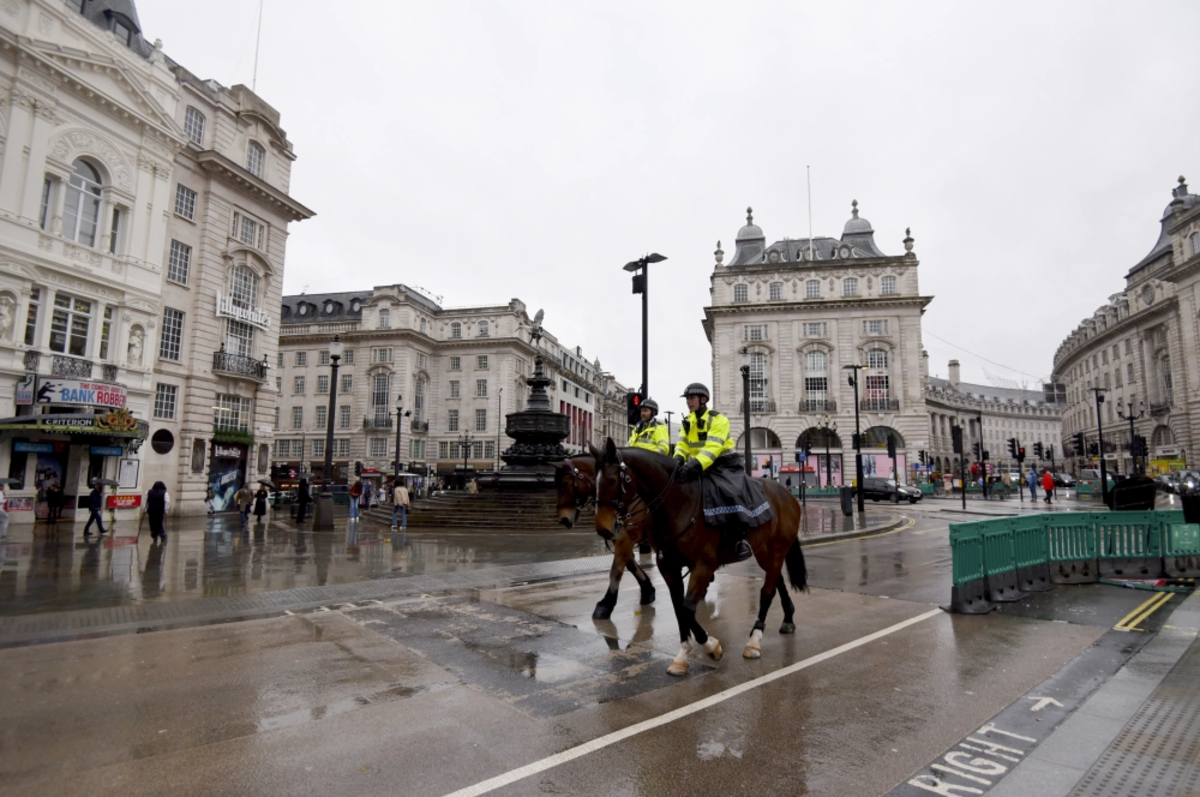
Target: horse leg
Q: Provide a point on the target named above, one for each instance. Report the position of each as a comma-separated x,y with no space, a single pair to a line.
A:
765,596
697,587
643,580
789,609
672,574
622,557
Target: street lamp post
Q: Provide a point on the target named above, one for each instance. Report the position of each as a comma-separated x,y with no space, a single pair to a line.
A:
465,441
746,408
400,416
1099,393
1129,416
641,284
828,429
858,465
499,415
983,455
323,517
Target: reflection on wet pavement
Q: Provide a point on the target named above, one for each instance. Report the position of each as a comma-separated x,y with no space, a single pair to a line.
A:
59,569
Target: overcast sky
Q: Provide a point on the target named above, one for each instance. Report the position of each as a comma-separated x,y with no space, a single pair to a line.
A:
491,150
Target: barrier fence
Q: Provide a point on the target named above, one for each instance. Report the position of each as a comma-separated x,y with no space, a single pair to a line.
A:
1001,560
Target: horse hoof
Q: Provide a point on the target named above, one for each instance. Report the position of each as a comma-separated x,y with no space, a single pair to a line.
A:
677,668
602,612
787,628
713,648
648,597
752,652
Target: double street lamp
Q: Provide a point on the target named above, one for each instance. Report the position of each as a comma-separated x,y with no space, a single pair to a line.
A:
828,430
323,516
465,440
641,284
858,463
1134,449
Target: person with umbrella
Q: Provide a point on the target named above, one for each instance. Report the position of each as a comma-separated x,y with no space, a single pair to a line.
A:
95,504
158,503
260,502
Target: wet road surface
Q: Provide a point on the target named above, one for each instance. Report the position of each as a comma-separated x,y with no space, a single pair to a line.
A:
436,693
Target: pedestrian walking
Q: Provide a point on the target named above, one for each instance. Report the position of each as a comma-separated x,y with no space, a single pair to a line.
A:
1033,482
260,503
302,499
1047,485
95,504
356,491
368,493
243,499
400,504
158,503
209,500
54,502
3,514
1006,482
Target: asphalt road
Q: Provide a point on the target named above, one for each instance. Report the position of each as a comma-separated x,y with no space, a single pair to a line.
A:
516,690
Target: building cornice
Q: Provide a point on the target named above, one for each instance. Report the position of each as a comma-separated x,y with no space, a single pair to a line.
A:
217,165
1105,337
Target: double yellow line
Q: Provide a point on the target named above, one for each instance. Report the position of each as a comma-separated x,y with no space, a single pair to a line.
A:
1139,615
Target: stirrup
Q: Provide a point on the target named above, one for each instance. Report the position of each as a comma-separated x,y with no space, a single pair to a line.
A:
742,551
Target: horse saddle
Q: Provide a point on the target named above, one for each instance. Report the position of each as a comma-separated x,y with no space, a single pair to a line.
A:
731,498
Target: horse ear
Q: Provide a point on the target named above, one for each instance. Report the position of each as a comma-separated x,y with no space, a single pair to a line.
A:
610,448
596,453
561,464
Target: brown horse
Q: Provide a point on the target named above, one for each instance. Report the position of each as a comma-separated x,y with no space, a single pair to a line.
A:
575,483
681,536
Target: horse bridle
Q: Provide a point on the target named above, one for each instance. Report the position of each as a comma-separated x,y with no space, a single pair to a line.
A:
588,493
622,516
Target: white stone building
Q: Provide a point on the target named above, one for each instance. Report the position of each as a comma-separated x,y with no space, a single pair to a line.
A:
1141,350
460,371
801,311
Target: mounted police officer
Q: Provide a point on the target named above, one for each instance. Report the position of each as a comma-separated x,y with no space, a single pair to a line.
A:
705,443
649,433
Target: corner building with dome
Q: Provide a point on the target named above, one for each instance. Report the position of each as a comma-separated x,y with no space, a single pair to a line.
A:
796,312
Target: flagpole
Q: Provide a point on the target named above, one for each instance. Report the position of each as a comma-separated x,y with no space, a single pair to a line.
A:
808,176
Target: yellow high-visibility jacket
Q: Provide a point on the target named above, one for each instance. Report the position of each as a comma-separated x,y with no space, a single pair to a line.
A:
705,436
651,436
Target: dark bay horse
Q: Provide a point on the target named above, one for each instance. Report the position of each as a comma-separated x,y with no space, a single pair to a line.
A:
681,537
575,484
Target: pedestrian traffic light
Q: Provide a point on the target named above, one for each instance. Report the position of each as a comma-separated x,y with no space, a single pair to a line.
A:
891,446
1020,453
633,408
358,468
956,440
1012,447
1038,450
1078,441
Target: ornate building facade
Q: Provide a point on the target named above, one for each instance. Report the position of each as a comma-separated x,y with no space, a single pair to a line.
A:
457,371
1140,349
797,313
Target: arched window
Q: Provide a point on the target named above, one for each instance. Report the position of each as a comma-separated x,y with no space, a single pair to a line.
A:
816,382
243,294
193,126
877,384
812,289
255,155
422,326
81,212
741,293
380,398
385,318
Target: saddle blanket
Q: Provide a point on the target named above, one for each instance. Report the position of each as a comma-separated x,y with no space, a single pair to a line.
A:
731,498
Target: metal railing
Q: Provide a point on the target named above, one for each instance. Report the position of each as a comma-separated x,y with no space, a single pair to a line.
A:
110,373
239,365
1160,409
62,365
377,423
757,406
879,405
420,426
818,405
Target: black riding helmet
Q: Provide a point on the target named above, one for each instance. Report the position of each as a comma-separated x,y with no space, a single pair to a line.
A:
650,404
697,389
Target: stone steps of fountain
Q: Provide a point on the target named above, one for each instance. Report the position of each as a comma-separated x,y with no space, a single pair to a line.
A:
528,511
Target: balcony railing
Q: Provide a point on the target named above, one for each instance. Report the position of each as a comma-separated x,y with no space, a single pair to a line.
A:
72,367
879,405
818,405
239,365
758,406
110,373
377,423
420,426
1160,409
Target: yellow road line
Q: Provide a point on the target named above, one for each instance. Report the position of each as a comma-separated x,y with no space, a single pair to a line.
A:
911,522
1131,621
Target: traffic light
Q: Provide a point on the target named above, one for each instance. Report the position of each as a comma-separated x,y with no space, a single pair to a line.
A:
1094,449
891,447
978,449
1020,453
1038,450
807,450
633,408
956,439
358,468
1078,444
921,456
1050,452
1012,447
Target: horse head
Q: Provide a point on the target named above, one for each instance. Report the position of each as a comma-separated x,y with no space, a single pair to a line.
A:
574,485
614,489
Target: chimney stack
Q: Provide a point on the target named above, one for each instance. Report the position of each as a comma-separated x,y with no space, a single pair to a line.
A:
955,379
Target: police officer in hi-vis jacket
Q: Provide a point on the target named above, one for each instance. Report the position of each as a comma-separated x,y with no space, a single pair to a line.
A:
649,433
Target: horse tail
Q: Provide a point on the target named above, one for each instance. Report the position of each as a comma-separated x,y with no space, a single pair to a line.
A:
797,572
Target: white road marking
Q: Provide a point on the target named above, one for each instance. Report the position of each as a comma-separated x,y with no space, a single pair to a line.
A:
610,739
1042,702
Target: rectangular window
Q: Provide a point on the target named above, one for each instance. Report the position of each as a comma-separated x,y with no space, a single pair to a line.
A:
480,388
255,155
301,359
344,417
850,286
231,413
776,291
453,388
812,289
318,448
105,332
1129,346
443,450
279,359
322,416
185,202
385,318
31,317
179,262
348,357
456,363
239,338
420,360
489,449
297,417
481,363
875,327
1104,357
741,293
814,329
283,448
193,126
323,357
347,382
1117,377
758,382
483,329
323,383
456,330
887,286
69,325
343,447
164,401
755,332
172,335
1129,373
114,234
298,386
248,230
381,355
481,420
279,384
452,420
378,447
277,418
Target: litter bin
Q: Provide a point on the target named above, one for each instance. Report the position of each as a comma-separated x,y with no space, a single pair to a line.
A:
848,501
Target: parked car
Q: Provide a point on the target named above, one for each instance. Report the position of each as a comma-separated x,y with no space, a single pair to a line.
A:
1165,483
1065,480
888,490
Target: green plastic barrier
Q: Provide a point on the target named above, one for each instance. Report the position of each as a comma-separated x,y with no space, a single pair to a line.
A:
1031,550
1181,546
1072,548
966,591
999,561
1084,489
1129,544
926,488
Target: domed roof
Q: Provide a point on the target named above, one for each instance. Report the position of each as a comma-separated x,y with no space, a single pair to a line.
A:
856,226
751,231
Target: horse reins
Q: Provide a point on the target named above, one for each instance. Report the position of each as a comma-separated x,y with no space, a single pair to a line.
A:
624,517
